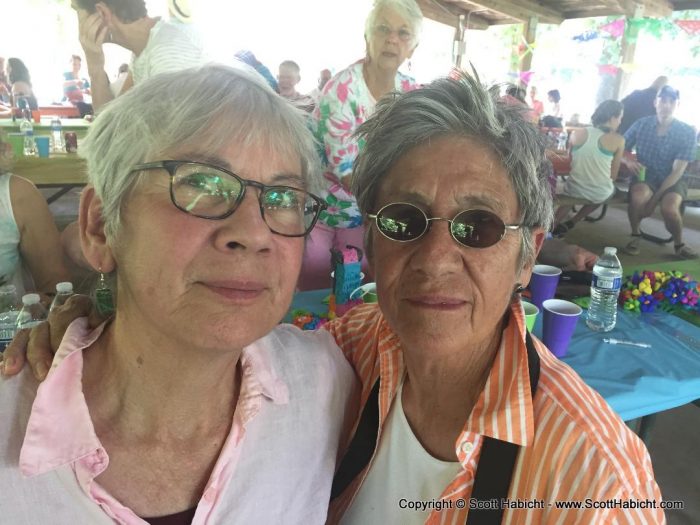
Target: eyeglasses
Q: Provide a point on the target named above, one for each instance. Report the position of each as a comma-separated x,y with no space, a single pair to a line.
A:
210,192
384,31
404,222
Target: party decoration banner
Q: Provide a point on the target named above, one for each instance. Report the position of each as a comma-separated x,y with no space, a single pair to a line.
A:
585,37
614,29
692,27
608,69
525,76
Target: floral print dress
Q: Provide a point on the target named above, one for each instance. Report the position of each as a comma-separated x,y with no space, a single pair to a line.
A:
346,103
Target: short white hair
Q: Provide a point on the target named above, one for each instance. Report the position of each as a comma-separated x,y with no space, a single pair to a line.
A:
201,109
408,9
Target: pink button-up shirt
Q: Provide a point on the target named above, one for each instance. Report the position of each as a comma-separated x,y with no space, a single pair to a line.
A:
275,467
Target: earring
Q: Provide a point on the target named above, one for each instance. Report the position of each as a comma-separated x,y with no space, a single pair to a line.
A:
519,288
104,300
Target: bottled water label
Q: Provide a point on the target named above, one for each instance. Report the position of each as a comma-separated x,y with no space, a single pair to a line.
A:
605,288
7,328
608,283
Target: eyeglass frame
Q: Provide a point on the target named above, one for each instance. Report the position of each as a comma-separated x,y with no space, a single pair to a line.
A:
428,220
384,31
171,166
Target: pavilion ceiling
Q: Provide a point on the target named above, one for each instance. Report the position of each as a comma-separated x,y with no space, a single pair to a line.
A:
483,13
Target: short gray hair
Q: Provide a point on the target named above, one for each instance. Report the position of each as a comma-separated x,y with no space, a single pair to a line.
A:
459,107
201,109
408,9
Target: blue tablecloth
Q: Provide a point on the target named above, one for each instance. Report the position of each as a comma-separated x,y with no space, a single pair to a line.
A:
638,381
635,381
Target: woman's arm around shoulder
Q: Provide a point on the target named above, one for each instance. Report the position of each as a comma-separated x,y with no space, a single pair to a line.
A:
39,244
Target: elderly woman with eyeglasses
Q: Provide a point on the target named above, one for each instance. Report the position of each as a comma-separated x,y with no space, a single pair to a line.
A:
461,407
347,100
190,405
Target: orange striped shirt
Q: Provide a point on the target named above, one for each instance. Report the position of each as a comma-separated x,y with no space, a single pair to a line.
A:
574,447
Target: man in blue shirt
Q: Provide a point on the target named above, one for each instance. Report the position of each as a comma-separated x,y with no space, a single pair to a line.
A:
664,147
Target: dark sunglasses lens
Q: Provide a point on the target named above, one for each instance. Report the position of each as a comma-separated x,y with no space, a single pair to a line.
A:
478,228
401,222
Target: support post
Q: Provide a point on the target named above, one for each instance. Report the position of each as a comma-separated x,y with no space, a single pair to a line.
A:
627,51
530,35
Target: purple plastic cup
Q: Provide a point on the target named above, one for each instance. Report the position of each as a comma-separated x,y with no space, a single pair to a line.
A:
543,283
559,321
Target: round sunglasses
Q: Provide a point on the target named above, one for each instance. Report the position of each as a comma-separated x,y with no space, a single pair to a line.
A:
404,222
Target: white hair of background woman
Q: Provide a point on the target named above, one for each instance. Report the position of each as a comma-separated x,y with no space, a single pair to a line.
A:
408,9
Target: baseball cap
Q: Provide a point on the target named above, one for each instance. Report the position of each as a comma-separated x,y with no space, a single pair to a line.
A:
669,92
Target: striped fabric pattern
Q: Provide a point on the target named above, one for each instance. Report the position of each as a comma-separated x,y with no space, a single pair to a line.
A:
171,46
575,448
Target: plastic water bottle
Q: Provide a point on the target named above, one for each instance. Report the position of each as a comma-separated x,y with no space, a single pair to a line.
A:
562,139
9,310
605,287
56,135
26,129
63,292
32,313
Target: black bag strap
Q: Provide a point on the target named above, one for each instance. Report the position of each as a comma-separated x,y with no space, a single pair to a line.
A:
361,447
496,462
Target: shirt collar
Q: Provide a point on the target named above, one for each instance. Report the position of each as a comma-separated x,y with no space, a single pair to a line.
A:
504,409
60,430
259,376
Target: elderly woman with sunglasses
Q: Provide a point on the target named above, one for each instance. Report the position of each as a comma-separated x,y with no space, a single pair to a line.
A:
190,405
460,407
348,99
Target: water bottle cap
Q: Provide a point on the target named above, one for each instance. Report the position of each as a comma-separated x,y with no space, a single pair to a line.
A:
30,298
64,287
8,288
610,250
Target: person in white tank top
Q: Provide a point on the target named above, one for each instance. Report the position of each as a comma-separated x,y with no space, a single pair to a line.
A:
596,153
30,249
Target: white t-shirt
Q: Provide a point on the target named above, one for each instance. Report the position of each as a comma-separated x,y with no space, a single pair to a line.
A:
171,46
402,473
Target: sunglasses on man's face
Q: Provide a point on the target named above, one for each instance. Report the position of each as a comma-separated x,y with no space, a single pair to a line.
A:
404,222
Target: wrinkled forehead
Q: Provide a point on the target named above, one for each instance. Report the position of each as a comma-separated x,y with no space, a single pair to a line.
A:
239,139
459,170
392,18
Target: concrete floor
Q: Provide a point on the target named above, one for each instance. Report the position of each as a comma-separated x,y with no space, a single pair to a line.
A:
674,439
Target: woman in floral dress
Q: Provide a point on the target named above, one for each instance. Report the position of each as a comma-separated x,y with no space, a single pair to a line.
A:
348,99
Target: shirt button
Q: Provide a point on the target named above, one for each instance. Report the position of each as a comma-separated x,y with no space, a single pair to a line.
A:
467,447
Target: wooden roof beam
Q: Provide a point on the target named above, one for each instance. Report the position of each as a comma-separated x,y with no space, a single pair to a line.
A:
449,15
521,10
682,5
647,8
